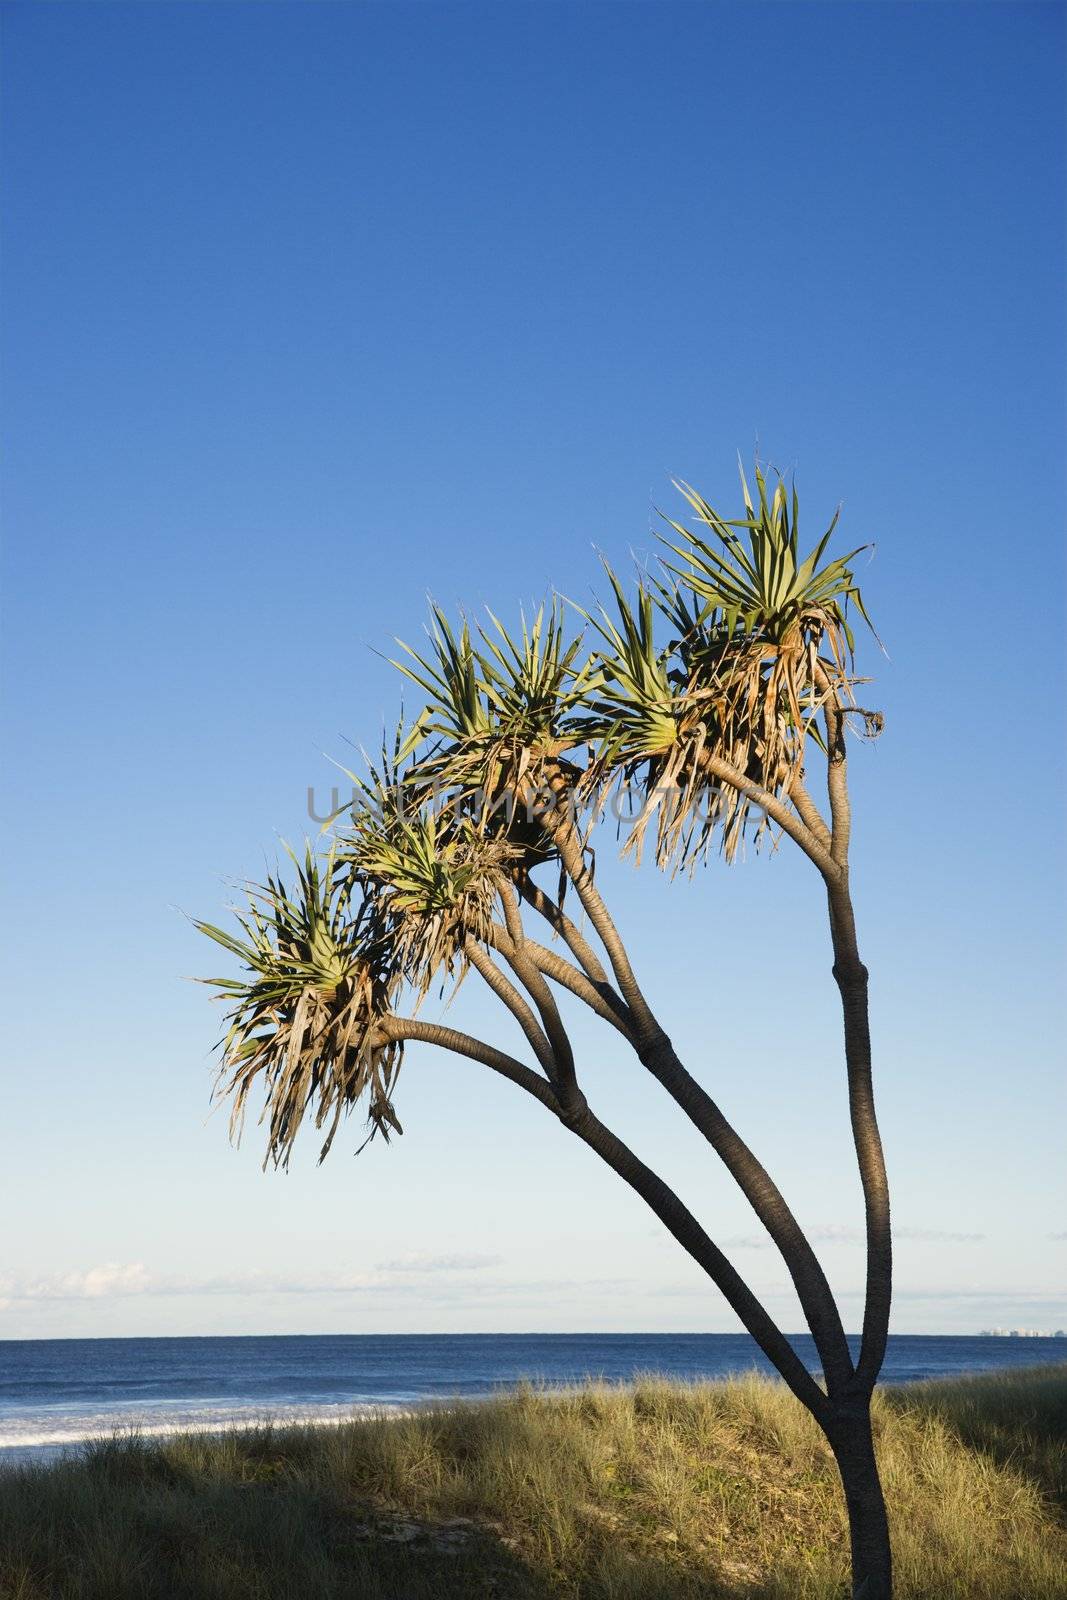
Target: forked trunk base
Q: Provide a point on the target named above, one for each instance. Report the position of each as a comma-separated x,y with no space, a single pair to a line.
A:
872,1565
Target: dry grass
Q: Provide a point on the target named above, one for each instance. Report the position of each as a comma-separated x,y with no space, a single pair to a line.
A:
655,1492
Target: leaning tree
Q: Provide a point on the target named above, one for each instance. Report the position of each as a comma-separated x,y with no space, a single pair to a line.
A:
694,710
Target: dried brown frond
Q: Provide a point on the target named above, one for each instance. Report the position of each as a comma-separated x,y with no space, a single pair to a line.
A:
303,1023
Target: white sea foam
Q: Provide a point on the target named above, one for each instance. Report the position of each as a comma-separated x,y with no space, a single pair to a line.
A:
38,1436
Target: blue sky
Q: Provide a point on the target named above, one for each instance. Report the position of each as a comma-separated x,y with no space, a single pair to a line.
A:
312,310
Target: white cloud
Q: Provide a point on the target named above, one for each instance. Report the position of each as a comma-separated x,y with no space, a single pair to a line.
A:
114,1280
422,1261
938,1235
835,1233
95,1283
839,1233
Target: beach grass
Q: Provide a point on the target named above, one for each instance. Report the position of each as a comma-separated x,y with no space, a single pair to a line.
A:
656,1491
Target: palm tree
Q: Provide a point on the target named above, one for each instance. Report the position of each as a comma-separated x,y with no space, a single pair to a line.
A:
709,726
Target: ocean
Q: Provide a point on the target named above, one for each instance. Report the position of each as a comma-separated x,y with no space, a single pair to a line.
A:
57,1393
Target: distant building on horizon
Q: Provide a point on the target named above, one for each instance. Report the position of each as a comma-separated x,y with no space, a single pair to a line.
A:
1023,1333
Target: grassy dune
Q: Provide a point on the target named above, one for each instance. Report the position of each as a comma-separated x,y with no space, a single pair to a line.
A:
658,1492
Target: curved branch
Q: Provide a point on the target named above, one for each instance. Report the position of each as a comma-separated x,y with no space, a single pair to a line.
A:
657,1054
564,1077
776,809
572,855
837,785
679,1221
568,931
809,813
512,918
513,947
506,992
463,1044
553,965
766,1200
836,770
662,1200
851,977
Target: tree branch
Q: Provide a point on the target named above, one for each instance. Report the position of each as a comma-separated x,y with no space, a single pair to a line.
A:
512,918
561,924
691,1236
836,770
776,809
851,977
657,1054
463,1044
766,1200
507,993
662,1200
572,856
808,812
569,977
563,1075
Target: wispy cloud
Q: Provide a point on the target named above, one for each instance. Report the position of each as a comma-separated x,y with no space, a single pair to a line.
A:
834,1233
447,1276
421,1261
115,1280
109,1279
938,1235
839,1233
1009,1296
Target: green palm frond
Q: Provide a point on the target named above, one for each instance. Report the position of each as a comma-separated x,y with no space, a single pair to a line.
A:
631,709
450,675
763,634
499,721
761,640
644,738
758,587
304,1013
533,682
430,873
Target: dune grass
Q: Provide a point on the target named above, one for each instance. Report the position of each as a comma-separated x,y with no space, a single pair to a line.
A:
653,1492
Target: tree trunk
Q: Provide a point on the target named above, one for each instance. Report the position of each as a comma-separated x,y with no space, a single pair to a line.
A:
853,1447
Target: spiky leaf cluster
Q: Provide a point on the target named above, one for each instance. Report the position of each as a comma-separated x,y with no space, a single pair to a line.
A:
501,713
722,662
304,1014
760,642
431,874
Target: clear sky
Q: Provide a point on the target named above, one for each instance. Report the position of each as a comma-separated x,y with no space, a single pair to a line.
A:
314,309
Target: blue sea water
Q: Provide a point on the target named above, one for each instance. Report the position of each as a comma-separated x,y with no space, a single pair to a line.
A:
56,1393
